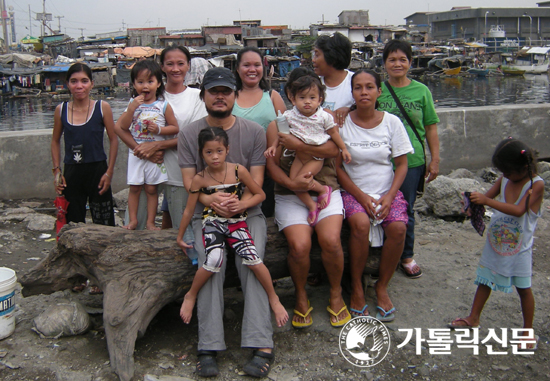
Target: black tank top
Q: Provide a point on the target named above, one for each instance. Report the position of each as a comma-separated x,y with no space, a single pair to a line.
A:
84,142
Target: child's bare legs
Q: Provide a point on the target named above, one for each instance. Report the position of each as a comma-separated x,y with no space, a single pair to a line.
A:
152,204
133,203
262,273
527,309
482,294
304,164
201,277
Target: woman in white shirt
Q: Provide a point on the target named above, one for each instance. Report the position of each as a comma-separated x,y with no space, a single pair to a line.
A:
331,58
371,193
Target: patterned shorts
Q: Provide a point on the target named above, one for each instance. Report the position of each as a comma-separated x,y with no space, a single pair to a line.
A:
236,234
398,209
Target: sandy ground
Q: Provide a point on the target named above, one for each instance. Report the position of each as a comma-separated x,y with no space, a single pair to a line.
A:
447,251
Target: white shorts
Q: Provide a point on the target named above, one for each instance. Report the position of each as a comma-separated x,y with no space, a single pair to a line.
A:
289,210
145,172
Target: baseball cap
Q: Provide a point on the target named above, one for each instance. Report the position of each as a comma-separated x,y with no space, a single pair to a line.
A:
219,76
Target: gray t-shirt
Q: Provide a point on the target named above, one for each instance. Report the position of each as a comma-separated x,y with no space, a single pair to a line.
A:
247,143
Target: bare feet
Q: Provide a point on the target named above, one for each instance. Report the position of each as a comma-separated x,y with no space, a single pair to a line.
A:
152,227
186,311
131,226
281,316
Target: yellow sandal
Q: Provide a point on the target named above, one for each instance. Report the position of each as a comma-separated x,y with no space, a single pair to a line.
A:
300,325
341,322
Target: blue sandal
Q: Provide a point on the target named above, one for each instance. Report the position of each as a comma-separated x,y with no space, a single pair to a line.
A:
359,313
385,316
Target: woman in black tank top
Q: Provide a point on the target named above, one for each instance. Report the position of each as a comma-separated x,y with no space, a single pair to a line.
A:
87,176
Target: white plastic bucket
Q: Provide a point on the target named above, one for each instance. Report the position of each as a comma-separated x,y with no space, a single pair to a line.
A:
8,279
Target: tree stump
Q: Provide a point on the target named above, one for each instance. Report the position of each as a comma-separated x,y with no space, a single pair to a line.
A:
139,272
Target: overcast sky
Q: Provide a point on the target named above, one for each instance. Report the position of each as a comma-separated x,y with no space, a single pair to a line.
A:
97,16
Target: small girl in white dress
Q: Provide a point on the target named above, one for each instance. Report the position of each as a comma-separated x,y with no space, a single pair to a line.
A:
314,126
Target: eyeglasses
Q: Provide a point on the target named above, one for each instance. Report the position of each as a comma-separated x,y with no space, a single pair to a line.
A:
220,90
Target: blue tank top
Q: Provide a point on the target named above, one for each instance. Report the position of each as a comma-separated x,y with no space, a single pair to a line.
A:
84,142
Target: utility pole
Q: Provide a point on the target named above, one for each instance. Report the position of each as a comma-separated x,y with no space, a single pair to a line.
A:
123,23
12,25
4,25
82,32
43,18
30,22
59,23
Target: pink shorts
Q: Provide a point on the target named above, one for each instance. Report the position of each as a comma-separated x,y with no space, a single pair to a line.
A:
398,209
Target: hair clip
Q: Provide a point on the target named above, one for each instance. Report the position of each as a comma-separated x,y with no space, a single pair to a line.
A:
522,151
509,137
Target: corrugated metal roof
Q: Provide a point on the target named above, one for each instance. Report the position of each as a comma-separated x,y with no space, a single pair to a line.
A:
539,50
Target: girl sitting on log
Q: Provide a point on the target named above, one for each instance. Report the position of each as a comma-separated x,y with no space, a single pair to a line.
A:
213,148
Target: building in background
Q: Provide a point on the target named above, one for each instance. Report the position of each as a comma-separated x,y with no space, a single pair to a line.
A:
145,36
528,26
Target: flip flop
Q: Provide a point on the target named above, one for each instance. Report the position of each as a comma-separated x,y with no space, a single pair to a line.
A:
313,215
359,313
528,350
385,316
341,322
454,324
325,196
299,325
407,269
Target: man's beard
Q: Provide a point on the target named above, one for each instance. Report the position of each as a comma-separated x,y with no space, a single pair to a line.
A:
219,114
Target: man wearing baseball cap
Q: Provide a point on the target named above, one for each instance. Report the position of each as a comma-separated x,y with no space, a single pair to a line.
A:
247,142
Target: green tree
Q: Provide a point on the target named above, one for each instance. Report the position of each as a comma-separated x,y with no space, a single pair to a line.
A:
306,44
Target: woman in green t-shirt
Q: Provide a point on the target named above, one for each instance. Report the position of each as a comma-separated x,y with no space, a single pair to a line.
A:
417,102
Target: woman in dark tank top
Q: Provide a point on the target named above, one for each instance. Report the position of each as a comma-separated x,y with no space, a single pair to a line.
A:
87,176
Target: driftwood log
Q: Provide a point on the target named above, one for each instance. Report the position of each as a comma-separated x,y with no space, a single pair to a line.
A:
139,273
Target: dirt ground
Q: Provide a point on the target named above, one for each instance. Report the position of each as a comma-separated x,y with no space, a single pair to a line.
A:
448,253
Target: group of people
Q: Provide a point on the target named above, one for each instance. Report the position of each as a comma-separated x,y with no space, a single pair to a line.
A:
354,150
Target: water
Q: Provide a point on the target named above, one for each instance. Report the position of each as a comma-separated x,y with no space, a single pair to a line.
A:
37,113
19,114
489,91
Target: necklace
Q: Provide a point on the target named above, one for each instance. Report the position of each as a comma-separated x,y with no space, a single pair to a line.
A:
72,112
224,176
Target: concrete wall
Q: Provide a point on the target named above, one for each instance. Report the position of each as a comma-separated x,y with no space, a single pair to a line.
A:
467,139
26,163
469,135
360,17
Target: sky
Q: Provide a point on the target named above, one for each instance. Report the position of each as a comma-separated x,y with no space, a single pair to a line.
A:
99,16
